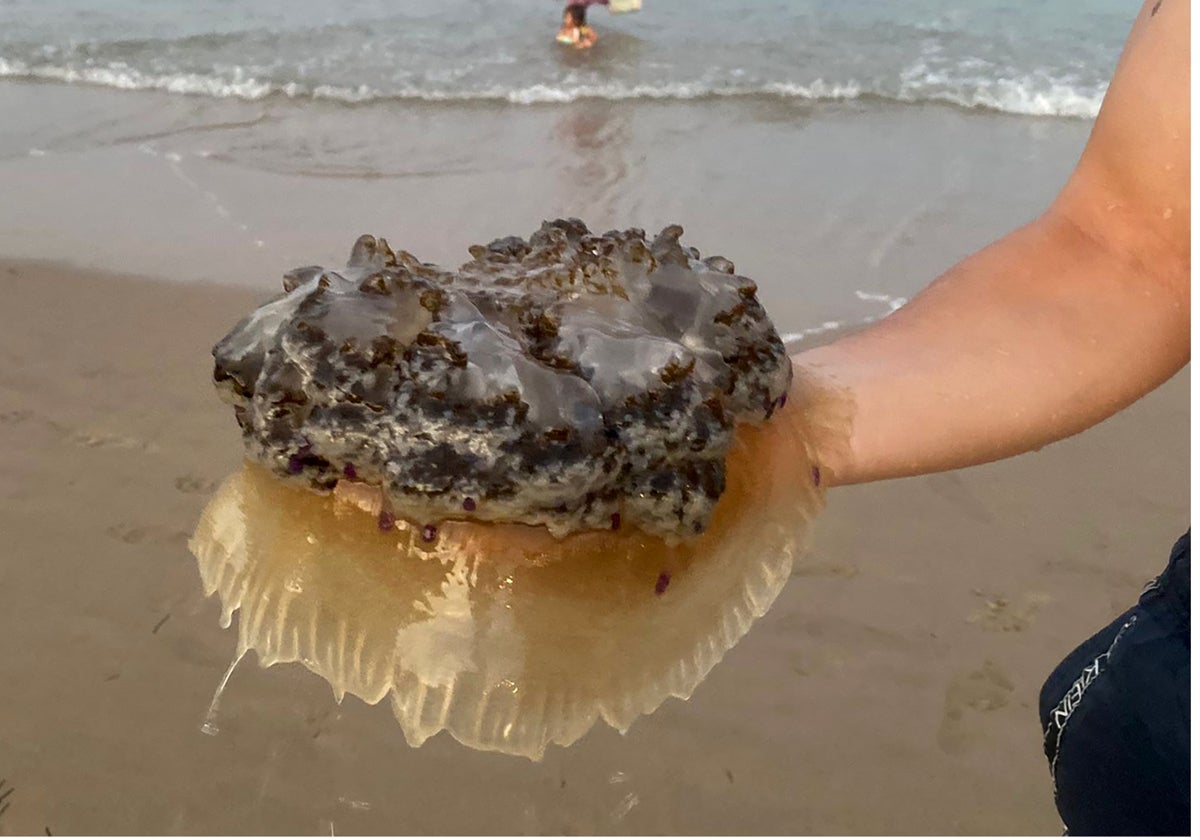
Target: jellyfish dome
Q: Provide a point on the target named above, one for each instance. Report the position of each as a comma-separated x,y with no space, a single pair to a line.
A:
513,500
568,381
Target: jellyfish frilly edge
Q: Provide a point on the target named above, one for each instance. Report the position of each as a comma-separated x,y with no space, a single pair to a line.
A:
505,637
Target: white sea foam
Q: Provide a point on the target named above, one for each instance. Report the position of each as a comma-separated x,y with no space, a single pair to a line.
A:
1030,95
816,90
893,303
121,76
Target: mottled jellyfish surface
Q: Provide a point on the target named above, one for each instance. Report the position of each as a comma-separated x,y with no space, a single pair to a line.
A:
559,381
549,488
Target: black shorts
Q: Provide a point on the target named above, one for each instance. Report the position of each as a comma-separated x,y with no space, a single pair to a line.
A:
1116,716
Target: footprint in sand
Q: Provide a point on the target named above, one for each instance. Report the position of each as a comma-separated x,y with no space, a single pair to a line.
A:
103,440
826,569
830,643
984,690
20,416
12,418
1114,575
139,535
94,372
195,484
999,614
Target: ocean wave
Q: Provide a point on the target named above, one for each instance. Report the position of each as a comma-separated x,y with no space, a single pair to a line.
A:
1028,95
1018,96
124,77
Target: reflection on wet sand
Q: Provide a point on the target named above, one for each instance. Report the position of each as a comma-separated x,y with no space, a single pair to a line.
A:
502,635
598,135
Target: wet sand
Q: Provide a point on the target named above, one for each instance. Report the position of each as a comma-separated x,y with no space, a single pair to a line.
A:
893,681
816,203
891,689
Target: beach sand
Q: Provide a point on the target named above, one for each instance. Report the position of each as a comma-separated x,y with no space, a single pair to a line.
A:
892,688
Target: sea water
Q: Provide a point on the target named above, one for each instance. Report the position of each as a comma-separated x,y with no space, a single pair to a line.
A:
1047,59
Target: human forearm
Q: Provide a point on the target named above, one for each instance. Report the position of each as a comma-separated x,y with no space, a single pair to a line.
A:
1039,336
1047,331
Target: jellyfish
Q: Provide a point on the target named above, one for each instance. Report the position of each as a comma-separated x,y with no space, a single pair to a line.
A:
513,500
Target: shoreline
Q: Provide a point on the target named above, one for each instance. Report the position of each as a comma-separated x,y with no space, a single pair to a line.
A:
858,102
810,202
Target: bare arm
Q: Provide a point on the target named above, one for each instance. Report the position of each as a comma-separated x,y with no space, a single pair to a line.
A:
1051,329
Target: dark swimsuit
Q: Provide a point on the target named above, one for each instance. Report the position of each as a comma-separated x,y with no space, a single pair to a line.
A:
1116,716
579,9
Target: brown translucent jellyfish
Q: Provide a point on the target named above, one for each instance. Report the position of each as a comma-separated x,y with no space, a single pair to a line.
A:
551,487
502,635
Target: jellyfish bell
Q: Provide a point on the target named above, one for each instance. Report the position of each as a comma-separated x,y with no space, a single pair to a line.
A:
566,381
506,637
550,487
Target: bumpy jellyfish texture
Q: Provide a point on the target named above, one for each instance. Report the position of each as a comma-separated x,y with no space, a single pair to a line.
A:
575,381
481,633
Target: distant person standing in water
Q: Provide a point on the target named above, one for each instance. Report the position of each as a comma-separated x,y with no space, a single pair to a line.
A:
575,30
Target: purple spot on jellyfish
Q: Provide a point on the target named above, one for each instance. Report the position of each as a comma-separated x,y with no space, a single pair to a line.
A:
349,471
616,521
660,586
386,521
429,533
295,464
783,400
468,504
816,473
